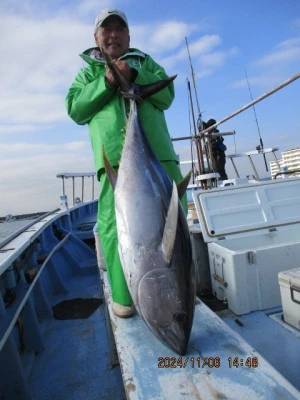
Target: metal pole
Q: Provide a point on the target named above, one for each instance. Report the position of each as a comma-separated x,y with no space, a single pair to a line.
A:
214,134
73,179
198,140
193,77
63,185
233,164
253,166
276,159
93,188
82,188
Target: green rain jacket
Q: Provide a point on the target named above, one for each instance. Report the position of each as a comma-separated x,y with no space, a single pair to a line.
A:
90,100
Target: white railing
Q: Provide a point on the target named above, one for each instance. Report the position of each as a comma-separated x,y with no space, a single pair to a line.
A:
249,154
77,176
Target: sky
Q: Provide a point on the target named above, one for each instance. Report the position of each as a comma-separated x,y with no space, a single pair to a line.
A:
40,43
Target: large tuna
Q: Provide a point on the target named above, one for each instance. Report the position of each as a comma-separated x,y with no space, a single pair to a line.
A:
153,235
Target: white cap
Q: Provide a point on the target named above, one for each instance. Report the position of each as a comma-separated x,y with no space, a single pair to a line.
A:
106,13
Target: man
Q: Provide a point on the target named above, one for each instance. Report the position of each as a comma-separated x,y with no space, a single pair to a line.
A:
218,150
93,99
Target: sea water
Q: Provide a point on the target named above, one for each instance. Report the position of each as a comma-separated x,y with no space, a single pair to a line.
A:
10,227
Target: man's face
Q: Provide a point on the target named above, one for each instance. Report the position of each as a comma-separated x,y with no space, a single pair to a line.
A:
113,36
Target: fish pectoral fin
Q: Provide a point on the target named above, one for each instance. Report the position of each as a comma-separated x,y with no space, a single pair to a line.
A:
169,235
112,176
183,184
145,91
128,90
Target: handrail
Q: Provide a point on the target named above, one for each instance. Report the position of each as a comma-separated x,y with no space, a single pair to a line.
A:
214,134
13,321
246,154
27,226
73,175
252,153
290,172
245,107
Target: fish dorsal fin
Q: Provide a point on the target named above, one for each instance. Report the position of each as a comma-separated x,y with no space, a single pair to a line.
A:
183,184
112,176
169,235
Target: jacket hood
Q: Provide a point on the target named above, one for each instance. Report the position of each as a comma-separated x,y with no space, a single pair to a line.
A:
93,55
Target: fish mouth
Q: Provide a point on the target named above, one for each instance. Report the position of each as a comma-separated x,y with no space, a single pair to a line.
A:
167,312
177,334
175,338
174,334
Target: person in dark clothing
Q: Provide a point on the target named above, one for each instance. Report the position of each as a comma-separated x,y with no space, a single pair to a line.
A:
218,150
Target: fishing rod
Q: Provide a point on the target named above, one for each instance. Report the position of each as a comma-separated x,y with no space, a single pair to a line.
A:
261,147
194,168
193,77
198,142
263,96
207,145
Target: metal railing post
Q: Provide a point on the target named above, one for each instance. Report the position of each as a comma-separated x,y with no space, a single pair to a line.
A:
82,188
74,175
73,185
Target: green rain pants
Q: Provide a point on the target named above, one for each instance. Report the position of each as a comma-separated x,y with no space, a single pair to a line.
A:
108,232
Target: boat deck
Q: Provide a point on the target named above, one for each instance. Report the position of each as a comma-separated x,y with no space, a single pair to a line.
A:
151,370
53,330
75,362
73,357
266,331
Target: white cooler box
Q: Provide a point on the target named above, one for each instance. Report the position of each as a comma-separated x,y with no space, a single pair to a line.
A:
289,282
253,233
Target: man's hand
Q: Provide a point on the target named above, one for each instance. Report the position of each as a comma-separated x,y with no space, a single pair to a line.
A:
125,70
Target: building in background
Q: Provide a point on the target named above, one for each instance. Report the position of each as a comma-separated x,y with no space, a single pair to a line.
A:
290,161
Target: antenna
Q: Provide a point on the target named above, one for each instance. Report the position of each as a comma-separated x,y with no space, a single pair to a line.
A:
198,140
261,147
193,77
207,145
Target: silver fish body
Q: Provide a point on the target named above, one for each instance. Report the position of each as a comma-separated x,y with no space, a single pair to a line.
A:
154,242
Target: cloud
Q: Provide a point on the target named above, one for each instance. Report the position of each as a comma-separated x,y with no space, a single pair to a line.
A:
38,61
205,55
285,52
204,44
77,146
28,108
14,149
40,68
169,35
271,69
160,38
38,9
196,49
262,80
93,6
295,24
42,167
18,128
36,181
